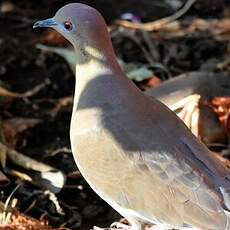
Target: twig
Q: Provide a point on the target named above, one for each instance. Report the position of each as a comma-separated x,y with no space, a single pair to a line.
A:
39,173
62,102
6,93
60,150
30,206
151,46
156,25
7,215
56,151
36,89
136,40
54,200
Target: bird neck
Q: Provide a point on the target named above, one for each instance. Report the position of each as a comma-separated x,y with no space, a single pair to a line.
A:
100,87
95,89
97,77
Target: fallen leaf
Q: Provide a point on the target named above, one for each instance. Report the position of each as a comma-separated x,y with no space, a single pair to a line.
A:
221,105
20,221
153,81
3,156
11,128
211,131
3,180
139,73
38,173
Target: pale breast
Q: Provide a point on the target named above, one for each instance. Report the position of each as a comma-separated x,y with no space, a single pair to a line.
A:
126,182
118,179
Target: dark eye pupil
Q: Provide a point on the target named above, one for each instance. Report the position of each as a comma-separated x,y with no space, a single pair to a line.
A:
68,25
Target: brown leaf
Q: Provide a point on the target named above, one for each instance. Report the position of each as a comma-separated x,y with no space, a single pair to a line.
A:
153,81
221,105
23,222
11,128
3,179
211,130
36,172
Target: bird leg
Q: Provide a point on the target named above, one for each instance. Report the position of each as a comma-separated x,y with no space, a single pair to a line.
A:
134,226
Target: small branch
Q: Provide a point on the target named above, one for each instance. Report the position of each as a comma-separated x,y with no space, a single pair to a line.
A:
7,215
6,93
35,90
156,25
37,173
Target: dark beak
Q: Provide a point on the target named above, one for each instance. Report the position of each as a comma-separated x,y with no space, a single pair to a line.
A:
50,22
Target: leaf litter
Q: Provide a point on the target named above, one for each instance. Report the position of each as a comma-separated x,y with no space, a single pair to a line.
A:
36,88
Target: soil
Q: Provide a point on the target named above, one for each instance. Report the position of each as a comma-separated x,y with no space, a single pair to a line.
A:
23,67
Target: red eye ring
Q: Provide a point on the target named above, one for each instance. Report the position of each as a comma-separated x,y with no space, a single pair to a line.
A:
68,25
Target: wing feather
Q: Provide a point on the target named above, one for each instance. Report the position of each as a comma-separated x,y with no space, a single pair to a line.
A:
187,182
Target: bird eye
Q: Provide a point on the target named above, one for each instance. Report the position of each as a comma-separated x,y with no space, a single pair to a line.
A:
68,25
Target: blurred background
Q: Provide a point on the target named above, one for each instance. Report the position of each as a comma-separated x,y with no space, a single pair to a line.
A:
175,50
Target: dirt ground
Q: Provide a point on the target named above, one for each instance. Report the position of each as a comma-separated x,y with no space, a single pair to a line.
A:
23,67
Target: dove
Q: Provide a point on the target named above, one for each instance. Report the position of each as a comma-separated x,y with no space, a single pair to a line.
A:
133,151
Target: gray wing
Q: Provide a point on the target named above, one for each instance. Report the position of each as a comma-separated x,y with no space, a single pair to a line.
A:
191,178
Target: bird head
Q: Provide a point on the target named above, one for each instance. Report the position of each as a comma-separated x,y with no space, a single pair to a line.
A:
80,24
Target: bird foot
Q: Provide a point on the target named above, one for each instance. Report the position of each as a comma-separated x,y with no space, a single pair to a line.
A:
119,225
97,228
114,226
124,226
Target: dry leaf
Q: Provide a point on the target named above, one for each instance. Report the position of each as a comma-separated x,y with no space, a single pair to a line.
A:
211,130
3,179
23,222
153,81
221,105
12,127
37,172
